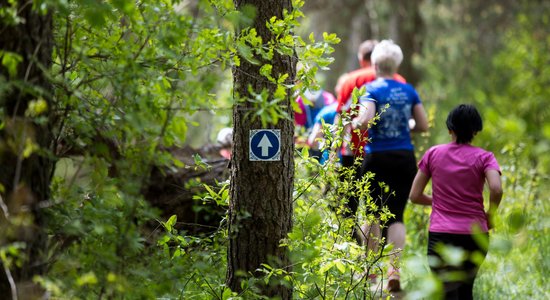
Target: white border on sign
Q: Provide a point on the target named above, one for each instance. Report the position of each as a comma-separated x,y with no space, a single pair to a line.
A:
252,156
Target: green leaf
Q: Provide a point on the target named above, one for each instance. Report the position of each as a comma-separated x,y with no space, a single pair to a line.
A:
36,107
10,61
170,223
95,17
163,240
87,279
210,191
124,5
305,153
227,293
199,162
246,53
265,71
327,266
340,266
177,253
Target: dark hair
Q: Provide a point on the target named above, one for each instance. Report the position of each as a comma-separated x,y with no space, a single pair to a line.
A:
465,121
366,48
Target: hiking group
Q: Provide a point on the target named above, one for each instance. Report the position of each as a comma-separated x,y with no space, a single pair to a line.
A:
377,141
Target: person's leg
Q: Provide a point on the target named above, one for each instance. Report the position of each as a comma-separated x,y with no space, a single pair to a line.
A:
396,169
370,235
438,265
387,168
351,212
466,290
396,236
454,289
347,205
396,228
399,179
472,244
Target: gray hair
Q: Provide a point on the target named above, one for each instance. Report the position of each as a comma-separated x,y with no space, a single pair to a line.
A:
386,57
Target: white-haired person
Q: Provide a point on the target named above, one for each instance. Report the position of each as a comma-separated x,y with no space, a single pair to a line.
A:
225,142
352,148
389,152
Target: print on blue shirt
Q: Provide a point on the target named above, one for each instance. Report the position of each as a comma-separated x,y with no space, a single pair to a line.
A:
392,130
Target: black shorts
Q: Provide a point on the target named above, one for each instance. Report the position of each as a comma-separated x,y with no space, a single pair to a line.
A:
457,288
396,169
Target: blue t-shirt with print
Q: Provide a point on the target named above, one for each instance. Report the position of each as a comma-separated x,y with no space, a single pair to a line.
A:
392,131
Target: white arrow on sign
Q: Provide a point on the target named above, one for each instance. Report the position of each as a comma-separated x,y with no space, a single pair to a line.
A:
265,144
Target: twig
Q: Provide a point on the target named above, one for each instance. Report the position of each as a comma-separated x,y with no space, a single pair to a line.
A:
306,188
186,283
4,208
212,289
13,287
66,46
19,163
322,294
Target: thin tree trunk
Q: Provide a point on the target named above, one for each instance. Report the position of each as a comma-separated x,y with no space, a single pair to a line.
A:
25,179
261,191
406,29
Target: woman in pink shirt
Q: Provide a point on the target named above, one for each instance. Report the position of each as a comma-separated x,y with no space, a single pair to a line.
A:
458,172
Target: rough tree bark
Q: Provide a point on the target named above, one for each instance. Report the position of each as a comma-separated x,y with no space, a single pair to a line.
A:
25,180
406,29
357,20
261,192
353,21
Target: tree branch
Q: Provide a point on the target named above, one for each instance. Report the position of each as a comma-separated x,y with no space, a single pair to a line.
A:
13,287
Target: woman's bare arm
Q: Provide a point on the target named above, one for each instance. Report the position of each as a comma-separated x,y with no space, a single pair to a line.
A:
495,192
417,190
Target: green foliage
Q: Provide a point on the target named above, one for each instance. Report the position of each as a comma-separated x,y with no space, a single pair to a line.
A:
520,240
523,62
10,61
328,263
127,76
267,104
503,75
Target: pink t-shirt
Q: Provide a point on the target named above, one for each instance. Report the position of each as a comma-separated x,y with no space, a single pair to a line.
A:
319,100
458,176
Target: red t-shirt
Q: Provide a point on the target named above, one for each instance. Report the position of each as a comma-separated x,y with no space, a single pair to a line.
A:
356,79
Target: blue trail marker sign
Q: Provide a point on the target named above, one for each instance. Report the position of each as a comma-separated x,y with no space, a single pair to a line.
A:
265,145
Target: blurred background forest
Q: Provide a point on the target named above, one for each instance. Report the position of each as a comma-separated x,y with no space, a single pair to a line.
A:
494,54
137,89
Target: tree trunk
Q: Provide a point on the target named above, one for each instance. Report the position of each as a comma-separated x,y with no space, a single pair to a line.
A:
261,191
353,21
406,26
25,178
